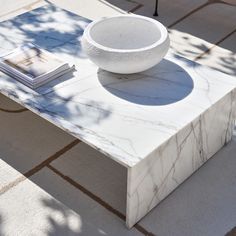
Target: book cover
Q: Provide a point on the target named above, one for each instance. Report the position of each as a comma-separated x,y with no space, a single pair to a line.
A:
33,66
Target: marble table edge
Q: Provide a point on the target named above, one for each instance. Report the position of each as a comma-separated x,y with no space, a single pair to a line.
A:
63,124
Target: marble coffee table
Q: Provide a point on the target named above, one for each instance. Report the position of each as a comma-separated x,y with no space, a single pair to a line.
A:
162,124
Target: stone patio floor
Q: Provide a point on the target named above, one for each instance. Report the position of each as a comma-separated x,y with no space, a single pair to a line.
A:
52,184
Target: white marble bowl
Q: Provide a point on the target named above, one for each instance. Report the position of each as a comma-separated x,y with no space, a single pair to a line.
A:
126,44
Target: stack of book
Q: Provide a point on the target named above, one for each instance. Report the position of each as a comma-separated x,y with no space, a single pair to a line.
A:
33,66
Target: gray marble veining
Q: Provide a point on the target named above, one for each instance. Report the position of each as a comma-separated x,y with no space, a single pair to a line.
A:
162,124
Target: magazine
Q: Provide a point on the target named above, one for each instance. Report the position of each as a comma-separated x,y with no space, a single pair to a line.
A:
33,66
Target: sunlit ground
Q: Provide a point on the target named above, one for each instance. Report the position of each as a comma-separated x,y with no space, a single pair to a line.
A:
51,184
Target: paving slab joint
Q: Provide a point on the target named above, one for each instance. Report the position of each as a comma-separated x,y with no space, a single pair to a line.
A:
39,167
97,199
13,111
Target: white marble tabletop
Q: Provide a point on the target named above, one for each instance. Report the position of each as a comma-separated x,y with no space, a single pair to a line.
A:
127,117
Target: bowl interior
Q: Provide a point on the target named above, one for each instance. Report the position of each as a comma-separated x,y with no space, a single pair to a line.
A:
125,33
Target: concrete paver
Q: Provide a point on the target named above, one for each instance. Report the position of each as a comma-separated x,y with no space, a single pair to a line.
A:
96,172
93,10
26,139
7,174
169,11
200,31
7,104
47,204
11,8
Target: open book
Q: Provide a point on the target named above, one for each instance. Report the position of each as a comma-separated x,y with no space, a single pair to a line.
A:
33,66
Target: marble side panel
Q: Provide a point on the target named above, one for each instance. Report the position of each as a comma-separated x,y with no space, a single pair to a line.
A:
171,163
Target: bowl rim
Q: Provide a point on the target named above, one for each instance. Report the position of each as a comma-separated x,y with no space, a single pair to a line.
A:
160,26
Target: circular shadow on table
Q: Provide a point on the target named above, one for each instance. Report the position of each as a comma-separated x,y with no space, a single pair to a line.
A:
163,84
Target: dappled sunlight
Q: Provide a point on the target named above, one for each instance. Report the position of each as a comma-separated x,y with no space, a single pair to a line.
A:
53,184
63,221
203,52
43,29
195,34
49,31
220,59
